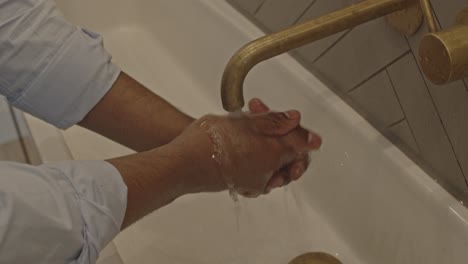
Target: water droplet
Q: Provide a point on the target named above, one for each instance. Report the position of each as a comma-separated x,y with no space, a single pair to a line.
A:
203,124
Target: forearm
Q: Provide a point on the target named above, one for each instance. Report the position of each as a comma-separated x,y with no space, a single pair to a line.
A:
155,178
135,117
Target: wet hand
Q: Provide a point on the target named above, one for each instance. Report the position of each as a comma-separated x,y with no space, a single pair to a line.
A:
250,153
296,168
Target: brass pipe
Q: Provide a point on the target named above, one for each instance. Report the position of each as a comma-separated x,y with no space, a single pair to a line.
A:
296,36
428,12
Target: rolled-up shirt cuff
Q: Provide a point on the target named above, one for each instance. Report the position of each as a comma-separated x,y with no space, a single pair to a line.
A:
102,199
75,80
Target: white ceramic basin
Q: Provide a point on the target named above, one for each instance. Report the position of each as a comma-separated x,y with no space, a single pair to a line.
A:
362,200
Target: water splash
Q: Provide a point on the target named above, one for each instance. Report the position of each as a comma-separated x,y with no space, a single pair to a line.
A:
237,212
236,114
219,156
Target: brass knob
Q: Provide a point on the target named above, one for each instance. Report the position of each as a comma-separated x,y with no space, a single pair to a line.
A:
444,55
315,258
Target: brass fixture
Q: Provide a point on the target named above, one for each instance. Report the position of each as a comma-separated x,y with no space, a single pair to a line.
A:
428,12
406,21
454,42
294,37
315,258
443,55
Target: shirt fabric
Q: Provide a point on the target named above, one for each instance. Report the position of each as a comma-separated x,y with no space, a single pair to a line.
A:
64,212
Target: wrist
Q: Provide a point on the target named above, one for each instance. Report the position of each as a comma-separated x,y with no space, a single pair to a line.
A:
194,165
151,182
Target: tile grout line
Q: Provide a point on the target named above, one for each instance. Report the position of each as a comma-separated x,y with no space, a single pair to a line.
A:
402,109
304,12
379,71
259,7
332,45
438,114
396,122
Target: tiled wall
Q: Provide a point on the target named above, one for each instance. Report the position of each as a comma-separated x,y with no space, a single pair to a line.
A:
374,68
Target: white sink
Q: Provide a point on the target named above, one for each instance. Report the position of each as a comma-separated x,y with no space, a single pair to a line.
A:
363,200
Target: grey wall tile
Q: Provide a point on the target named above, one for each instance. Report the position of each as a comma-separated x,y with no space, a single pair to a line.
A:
250,6
379,100
364,51
279,14
451,101
447,10
424,121
321,7
402,132
452,104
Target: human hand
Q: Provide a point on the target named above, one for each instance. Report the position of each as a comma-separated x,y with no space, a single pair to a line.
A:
250,153
296,168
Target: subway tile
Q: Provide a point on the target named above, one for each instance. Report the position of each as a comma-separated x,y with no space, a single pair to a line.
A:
402,132
378,99
447,10
424,121
361,53
279,14
250,6
312,51
451,101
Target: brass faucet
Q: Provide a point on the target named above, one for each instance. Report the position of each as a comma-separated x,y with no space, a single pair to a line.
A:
296,36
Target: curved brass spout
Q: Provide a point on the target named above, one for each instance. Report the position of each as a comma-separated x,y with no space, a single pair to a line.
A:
296,36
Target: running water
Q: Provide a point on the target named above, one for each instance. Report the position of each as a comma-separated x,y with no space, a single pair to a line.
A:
230,183
246,214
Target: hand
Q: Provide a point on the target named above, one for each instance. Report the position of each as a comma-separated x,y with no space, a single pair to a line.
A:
292,171
251,153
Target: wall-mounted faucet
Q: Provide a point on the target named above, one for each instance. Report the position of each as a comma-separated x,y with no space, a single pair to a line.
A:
444,54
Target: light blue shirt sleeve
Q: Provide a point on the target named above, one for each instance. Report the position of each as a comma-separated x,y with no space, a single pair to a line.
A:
59,213
48,67
65,212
